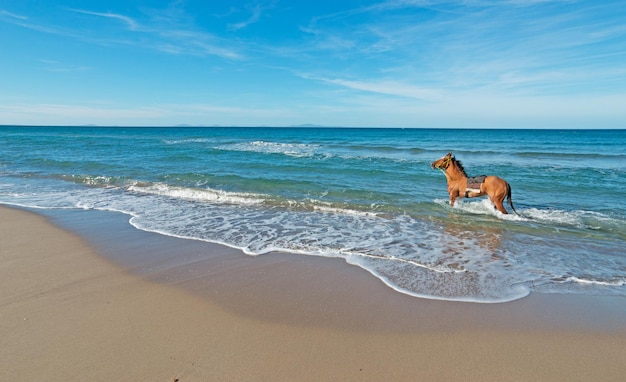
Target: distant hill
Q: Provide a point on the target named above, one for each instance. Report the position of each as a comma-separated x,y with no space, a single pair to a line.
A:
306,125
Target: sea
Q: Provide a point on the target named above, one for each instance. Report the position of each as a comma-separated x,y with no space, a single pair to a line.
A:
365,195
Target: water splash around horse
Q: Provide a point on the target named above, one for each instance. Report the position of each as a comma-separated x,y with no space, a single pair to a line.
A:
460,185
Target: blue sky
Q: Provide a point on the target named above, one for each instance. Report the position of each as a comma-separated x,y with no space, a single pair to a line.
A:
395,63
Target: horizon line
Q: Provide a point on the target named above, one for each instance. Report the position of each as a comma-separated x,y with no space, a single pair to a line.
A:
311,126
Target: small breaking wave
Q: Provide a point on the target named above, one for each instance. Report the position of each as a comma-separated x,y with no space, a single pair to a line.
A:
481,207
265,147
248,199
188,140
93,180
582,281
591,220
199,195
579,218
583,284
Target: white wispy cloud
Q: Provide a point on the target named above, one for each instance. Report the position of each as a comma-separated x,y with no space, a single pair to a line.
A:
24,22
180,41
130,22
386,87
474,3
509,45
8,14
256,13
164,35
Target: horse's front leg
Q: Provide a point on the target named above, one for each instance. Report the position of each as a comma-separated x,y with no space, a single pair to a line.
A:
454,194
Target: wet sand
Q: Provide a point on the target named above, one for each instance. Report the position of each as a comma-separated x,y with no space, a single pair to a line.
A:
106,301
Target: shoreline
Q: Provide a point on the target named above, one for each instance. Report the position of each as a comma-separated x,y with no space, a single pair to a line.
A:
78,306
318,291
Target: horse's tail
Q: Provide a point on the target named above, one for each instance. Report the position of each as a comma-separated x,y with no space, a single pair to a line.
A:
508,196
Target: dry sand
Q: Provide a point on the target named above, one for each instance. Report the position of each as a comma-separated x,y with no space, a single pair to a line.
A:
68,314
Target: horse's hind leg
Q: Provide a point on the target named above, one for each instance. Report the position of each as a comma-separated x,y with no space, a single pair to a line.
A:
498,203
496,190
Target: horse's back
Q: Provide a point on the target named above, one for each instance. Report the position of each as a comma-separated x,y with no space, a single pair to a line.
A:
494,180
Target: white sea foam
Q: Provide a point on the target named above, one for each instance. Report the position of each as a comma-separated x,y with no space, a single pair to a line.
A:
239,198
613,283
442,284
201,195
289,149
329,208
413,256
554,217
480,207
97,180
188,140
577,218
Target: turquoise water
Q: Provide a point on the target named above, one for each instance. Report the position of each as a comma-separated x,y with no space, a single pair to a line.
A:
368,196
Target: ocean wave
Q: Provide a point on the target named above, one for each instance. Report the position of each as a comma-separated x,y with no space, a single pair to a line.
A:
481,207
577,218
318,151
362,195
382,149
571,155
584,281
265,147
199,195
437,259
187,140
93,180
591,220
247,199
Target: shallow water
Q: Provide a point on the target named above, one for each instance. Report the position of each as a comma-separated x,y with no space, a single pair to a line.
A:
368,196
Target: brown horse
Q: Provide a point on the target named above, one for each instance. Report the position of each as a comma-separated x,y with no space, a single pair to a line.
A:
460,185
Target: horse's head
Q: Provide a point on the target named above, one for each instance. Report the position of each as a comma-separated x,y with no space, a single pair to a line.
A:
442,163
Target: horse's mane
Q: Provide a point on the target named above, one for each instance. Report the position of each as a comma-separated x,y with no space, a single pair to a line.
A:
460,166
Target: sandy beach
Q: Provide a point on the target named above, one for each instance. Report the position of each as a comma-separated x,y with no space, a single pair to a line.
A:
72,311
